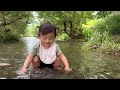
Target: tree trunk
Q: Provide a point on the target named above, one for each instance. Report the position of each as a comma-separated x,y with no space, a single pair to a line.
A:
71,30
71,33
65,28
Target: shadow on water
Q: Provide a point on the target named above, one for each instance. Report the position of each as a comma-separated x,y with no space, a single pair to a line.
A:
85,64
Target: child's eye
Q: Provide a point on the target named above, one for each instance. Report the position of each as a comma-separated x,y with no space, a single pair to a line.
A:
51,38
44,37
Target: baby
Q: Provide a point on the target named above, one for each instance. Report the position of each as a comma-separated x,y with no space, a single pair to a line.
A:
46,53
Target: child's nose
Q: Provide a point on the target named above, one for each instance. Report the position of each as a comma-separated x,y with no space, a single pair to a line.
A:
47,41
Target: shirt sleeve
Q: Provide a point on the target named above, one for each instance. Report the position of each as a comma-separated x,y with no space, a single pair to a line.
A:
35,49
58,50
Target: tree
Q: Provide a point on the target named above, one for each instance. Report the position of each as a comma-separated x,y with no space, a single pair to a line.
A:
103,14
68,21
13,23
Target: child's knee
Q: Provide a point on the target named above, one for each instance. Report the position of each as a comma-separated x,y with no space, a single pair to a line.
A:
58,58
36,59
36,62
57,62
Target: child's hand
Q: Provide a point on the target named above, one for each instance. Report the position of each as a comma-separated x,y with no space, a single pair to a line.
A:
24,70
68,69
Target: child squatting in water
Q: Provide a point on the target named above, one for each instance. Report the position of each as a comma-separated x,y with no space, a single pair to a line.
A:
46,53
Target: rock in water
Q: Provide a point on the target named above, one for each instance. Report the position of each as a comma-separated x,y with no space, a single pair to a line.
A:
3,78
4,64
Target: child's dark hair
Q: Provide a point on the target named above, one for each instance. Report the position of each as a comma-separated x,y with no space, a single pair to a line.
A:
47,28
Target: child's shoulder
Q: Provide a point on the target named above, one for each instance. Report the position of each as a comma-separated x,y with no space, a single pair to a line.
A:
57,45
37,44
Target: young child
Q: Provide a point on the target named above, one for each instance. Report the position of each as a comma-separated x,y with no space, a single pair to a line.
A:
46,53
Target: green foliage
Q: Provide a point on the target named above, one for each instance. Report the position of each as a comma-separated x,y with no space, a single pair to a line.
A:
93,25
98,33
100,25
76,17
94,39
109,46
110,24
31,30
18,27
116,38
103,42
9,36
113,23
103,14
87,33
15,22
63,37
2,35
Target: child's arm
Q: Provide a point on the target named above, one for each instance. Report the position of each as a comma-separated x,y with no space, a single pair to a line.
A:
27,62
65,62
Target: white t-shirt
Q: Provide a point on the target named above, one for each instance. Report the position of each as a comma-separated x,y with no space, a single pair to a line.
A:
48,56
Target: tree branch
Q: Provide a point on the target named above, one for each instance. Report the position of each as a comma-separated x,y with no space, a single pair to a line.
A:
7,22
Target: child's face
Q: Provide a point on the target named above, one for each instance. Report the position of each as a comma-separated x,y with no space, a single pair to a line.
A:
47,39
